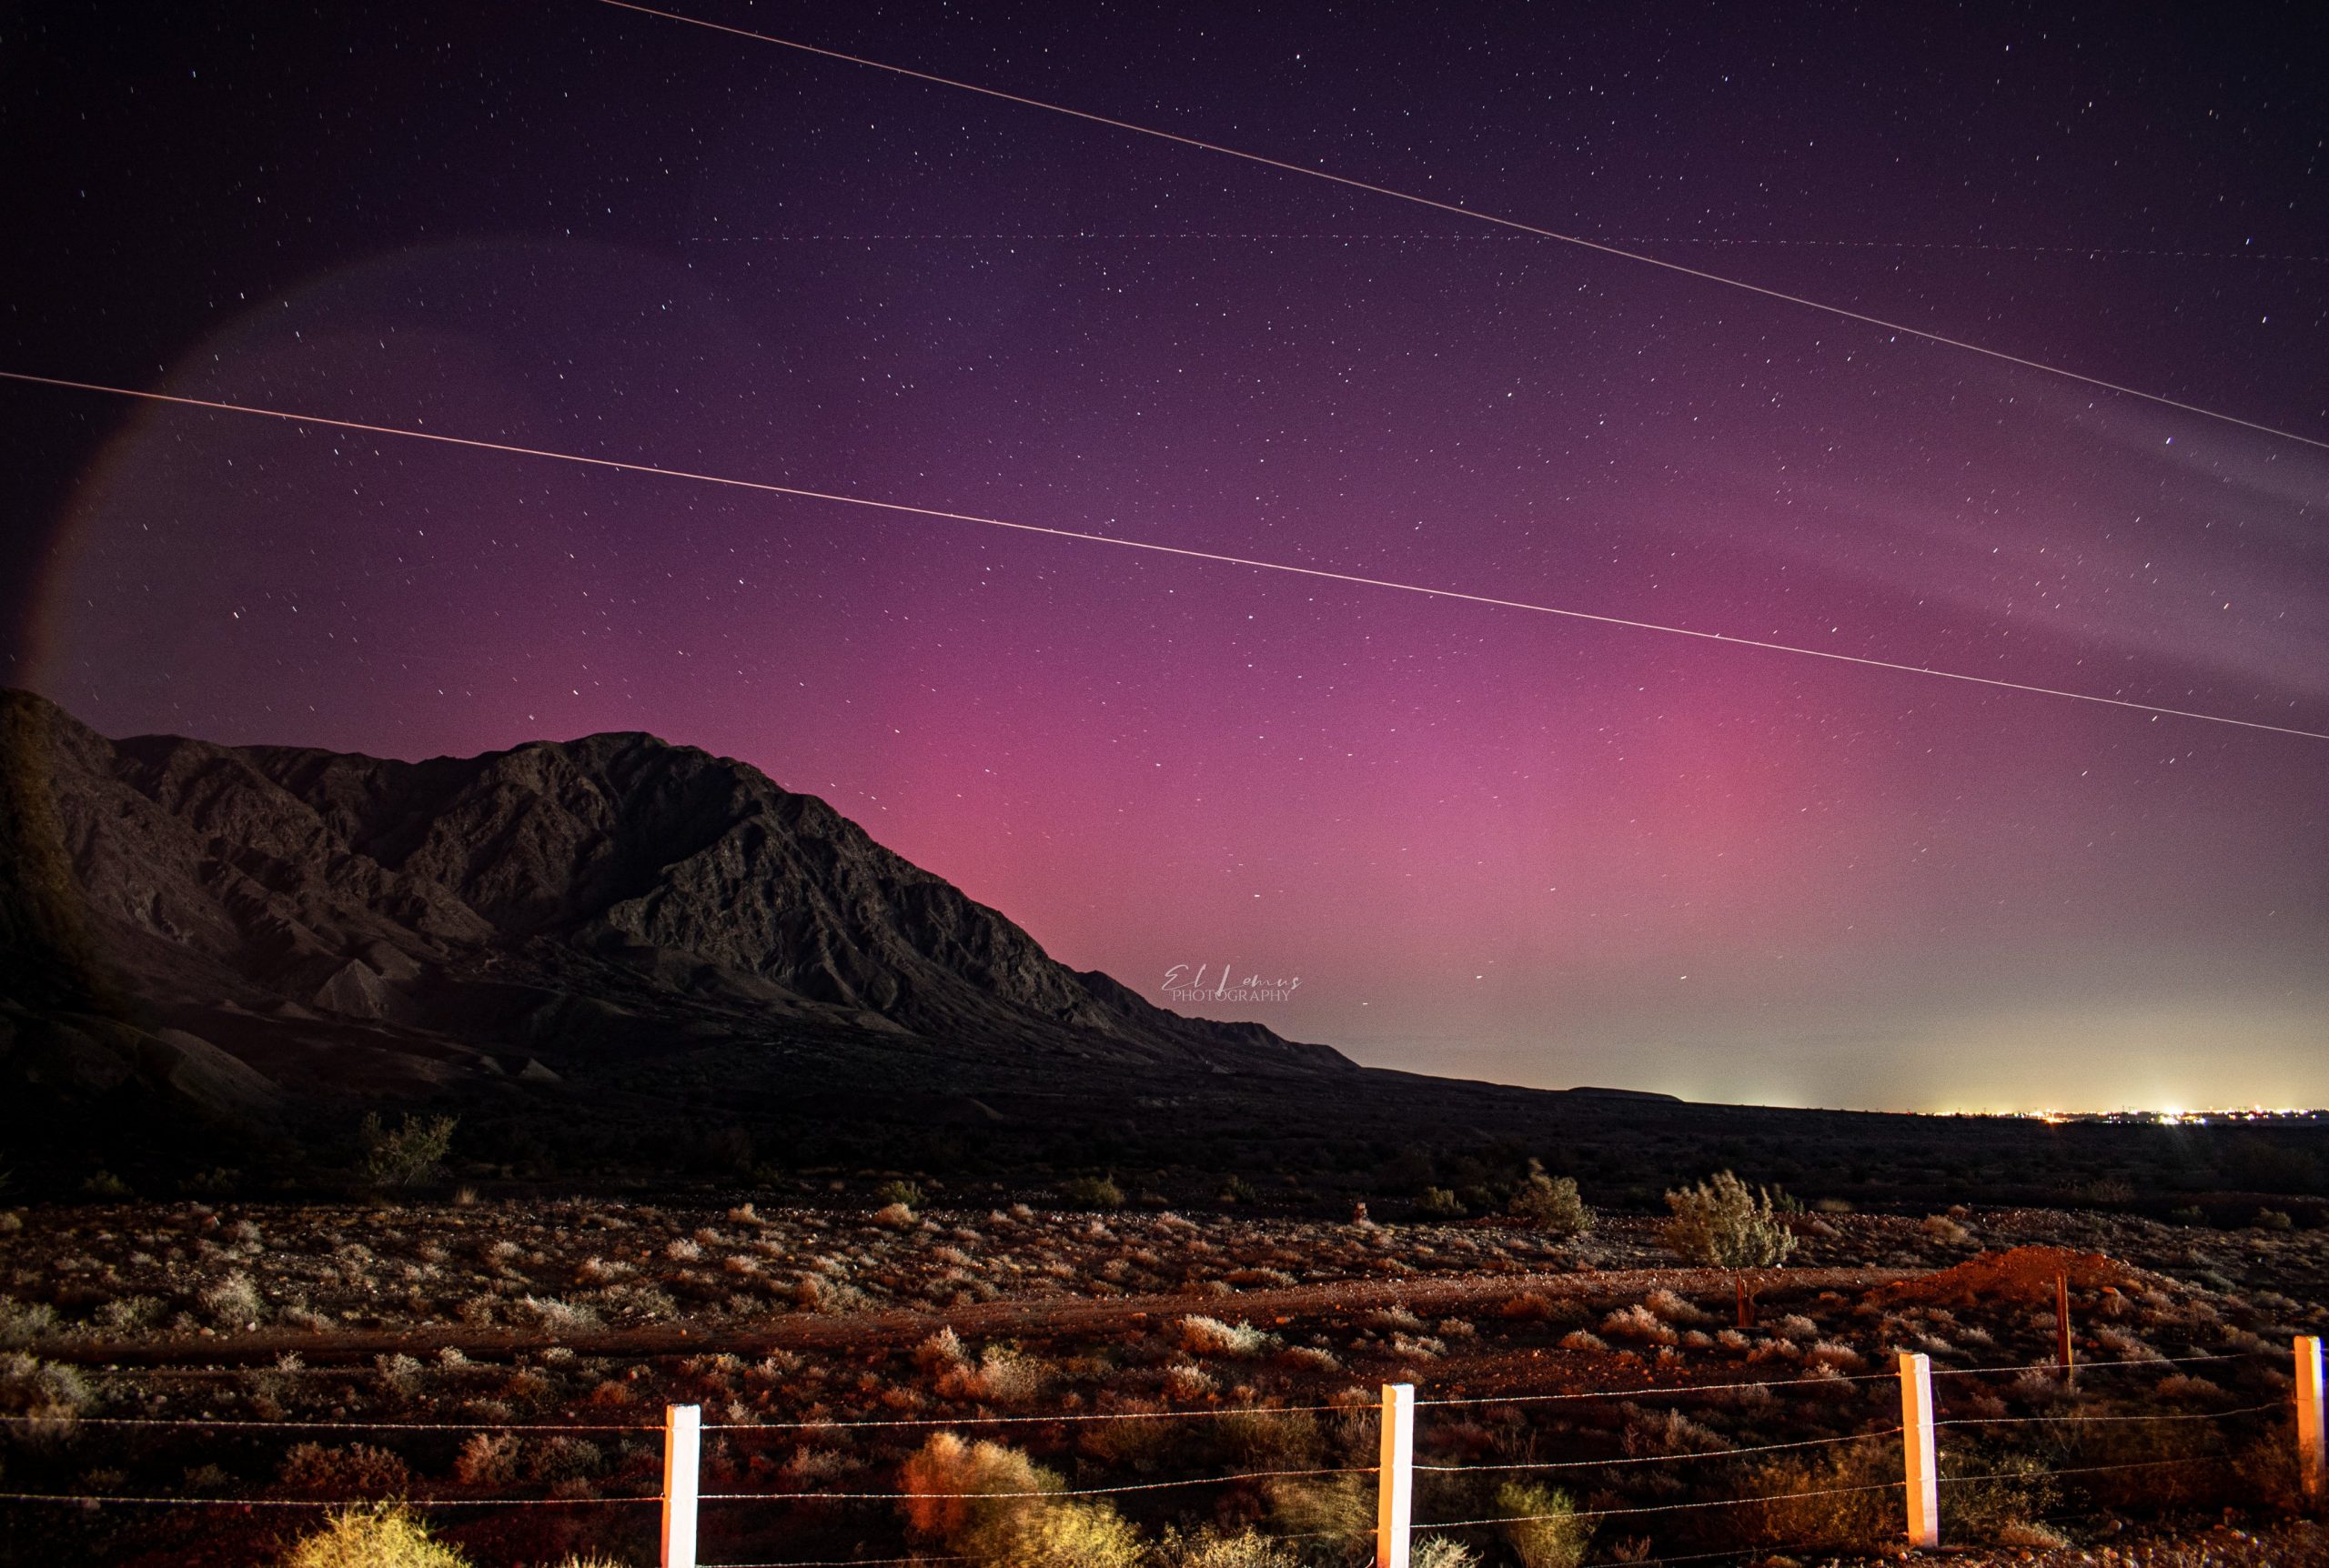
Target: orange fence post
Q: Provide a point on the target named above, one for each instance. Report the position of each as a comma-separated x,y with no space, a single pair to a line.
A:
1396,1480
2311,1457
1916,1446
2062,1348
682,1448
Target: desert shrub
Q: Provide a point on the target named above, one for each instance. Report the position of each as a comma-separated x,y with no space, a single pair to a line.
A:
940,1352
905,1192
1638,1322
558,1316
1727,1224
1986,1494
1055,1535
1002,1374
1215,1549
2272,1219
1439,1203
1211,1336
949,1484
364,1471
1541,1525
1551,1203
894,1216
1442,1552
1947,1231
106,1186
1265,1439
128,1314
376,1537
1673,1308
22,1323
1847,1498
566,1458
488,1459
1094,1192
1341,1506
32,1387
406,1156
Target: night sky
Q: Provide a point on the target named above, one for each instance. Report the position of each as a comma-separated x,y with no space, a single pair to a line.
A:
1488,843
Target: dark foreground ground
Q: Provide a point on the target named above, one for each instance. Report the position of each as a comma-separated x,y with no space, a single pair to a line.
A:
477,1352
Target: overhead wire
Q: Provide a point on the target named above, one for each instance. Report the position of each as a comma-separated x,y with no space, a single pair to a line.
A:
1184,552
1475,214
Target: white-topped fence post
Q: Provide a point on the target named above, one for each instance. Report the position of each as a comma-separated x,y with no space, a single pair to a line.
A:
682,1447
1395,1484
2312,1456
1917,1447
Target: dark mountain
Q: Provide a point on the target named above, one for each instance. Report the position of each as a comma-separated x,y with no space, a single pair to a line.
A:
250,928
618,960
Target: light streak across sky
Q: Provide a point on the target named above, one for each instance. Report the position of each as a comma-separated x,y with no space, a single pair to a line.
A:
802,493
1925,333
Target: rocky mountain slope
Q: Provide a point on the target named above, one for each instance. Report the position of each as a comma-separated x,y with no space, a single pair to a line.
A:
284,922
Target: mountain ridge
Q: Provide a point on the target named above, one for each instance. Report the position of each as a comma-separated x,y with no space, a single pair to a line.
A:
336,922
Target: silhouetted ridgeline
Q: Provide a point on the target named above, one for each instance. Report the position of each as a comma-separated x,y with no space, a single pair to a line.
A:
618,959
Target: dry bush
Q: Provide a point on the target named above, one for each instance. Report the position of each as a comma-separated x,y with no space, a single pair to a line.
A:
23,1322
1638,1322
356,1469
1342,1505
1541,1525
43,1391
488,1459
1726,1224
1830,1353
1056,1536
234,1302
895,1217
559,1316
1211,1336
940,1352
1987,1494
992,1505
129,1314
1667,1431
565,1458
377,1537
1673,1308
1188,1383
1002,1374
1094,1192
1262,1439
1551,1203
1215,1549
1842,1499
409,1155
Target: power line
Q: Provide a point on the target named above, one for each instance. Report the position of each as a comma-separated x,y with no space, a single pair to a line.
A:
1476,216
1457,596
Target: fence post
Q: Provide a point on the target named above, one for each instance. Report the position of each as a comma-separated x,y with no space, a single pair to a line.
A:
1396,1482
2311,1457
682,1445
1916,1443
2064,1351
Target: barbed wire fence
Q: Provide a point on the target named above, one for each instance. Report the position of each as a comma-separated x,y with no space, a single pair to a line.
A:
682,1501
